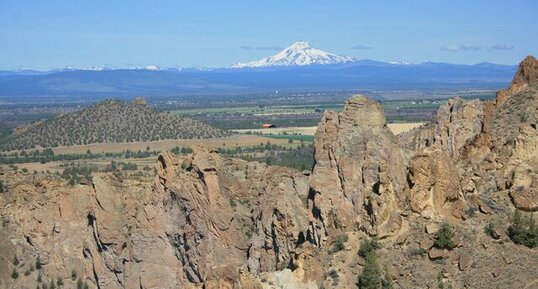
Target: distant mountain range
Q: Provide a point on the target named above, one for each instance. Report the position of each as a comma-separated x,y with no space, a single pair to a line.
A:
299,67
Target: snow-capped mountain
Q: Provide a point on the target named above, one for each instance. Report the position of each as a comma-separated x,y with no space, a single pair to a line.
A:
300,53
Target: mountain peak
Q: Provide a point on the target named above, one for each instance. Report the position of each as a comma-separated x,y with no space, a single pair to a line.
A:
299,53
300,45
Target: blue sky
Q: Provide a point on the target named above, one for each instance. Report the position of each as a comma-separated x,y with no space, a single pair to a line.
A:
53,34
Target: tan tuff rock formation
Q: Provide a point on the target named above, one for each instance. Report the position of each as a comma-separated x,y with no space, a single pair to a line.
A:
521,172
493,145
458,122
232,216
201,213
434,181
526,74
224,277
359,171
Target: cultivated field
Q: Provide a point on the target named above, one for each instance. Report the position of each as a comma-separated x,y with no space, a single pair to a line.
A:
260,110
238,140
396,128
232,141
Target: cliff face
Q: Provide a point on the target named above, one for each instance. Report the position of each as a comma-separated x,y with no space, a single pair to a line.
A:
206,221
230,212
359,174
492,144
504,153
200,213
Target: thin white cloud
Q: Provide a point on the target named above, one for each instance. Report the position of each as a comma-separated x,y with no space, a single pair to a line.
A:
502,47
246,47
456,48
361,47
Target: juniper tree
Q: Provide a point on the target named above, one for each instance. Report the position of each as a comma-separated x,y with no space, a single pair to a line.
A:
370,277
443,238
14,273
523,231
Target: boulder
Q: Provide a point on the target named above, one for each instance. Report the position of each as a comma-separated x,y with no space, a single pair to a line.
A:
435,254
464,261
230,277
426,243
285,279
432,227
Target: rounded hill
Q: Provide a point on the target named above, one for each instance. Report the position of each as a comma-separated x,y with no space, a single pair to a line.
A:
110,121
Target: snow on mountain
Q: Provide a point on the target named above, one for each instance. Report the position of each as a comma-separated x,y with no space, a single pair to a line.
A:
300,53
93,68
401,62
152,67
147,67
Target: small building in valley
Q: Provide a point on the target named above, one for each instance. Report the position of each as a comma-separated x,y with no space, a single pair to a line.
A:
268,125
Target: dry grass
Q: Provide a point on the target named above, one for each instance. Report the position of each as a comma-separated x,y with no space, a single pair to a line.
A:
164,145
396,128
50,166
231,141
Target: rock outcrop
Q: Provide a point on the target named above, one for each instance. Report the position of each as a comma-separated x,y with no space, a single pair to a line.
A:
224,212
228,276
521,171
434,182
491,144
526,75
199,217
457,123
359,174
513,131
201,213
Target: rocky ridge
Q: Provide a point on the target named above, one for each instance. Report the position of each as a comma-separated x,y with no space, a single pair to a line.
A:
200,213
205,221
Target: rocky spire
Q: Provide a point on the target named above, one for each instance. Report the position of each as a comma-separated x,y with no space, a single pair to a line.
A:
527,74
358,173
